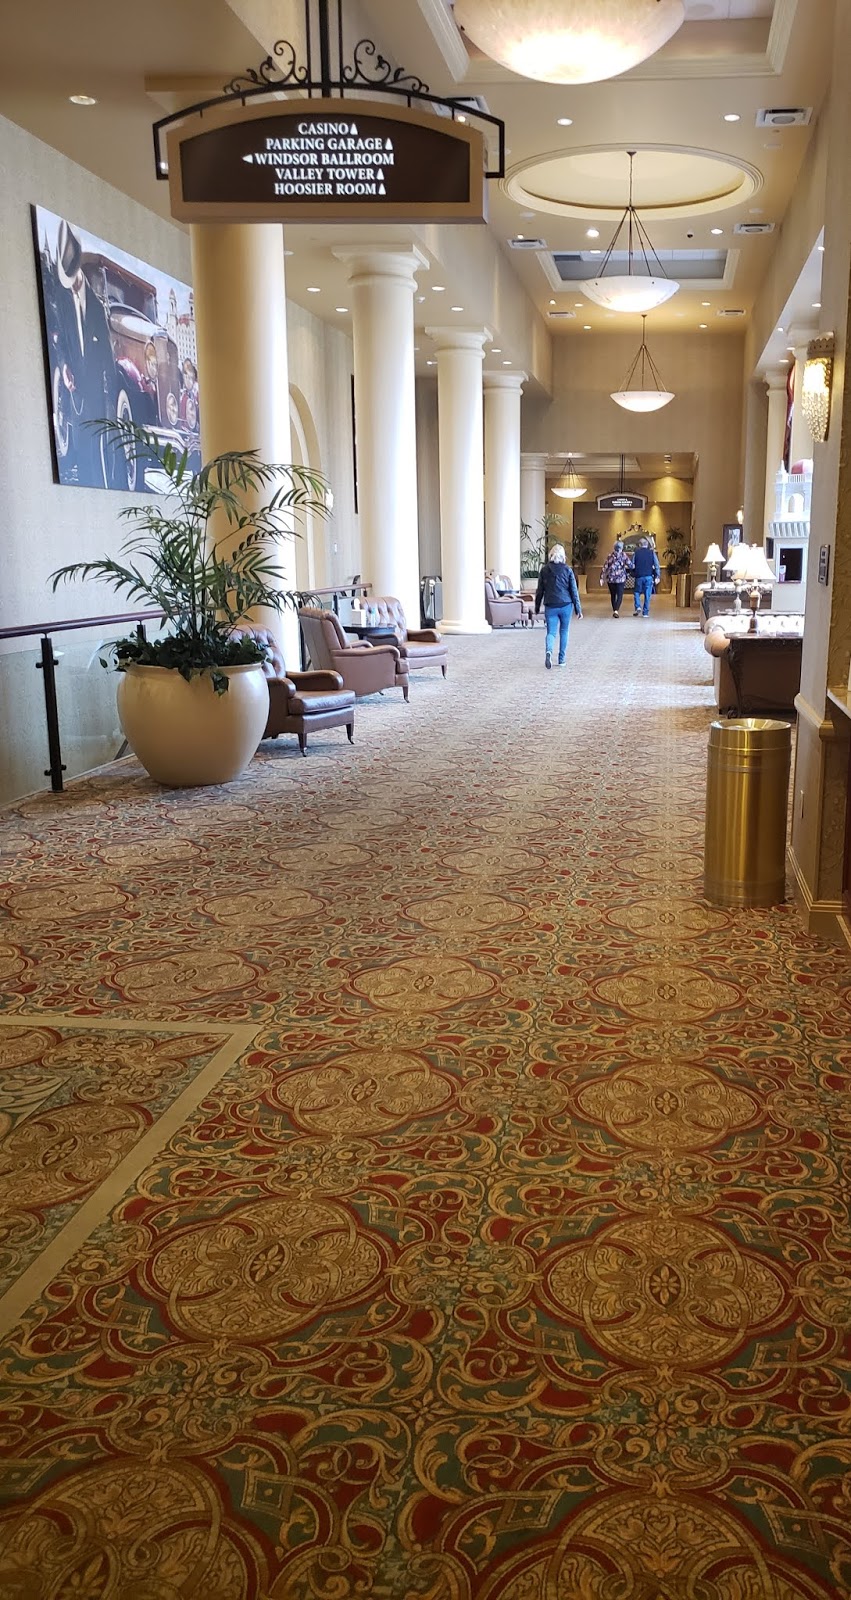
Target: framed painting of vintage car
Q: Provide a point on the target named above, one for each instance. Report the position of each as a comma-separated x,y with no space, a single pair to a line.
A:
119,343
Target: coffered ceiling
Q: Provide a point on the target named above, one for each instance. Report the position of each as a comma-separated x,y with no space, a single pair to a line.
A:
696,171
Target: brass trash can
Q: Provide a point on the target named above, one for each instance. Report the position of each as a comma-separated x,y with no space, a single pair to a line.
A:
747,796
682,585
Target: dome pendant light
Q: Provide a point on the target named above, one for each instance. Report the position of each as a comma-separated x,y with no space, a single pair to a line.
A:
631,291
641,398
570,41
568,486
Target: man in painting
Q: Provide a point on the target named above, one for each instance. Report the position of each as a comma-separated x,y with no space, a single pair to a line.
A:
88,368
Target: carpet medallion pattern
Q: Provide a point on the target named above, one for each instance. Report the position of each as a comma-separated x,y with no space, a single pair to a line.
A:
412,1189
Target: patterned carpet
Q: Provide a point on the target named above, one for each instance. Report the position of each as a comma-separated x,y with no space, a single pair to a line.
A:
412,1189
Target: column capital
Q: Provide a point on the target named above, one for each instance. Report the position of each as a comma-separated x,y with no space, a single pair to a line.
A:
799,337
460,338
534,460
376,263
775,378
505,380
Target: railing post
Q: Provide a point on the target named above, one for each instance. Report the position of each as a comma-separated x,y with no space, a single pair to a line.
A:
47,665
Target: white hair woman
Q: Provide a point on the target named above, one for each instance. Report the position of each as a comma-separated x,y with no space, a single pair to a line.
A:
559,593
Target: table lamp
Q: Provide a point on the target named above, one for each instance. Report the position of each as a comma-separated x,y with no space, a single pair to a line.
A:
713,559
755,572
735,565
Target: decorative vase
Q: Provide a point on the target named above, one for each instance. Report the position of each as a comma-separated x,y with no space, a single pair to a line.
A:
185,734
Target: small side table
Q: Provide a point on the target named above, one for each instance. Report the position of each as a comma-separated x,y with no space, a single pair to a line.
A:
375,634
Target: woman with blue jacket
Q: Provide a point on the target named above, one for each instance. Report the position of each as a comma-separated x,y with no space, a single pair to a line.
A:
558,589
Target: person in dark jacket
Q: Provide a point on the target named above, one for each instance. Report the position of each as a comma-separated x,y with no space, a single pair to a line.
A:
645,565
558,589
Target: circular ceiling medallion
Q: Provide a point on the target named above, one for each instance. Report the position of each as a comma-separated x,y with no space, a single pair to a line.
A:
669,181
569,41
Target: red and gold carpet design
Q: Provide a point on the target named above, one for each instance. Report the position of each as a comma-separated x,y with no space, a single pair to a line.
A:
412,1190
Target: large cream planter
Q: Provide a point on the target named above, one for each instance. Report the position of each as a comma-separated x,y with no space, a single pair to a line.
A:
184,733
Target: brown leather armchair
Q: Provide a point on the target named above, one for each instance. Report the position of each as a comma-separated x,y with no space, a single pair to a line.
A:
364,668
499,612
301,701
424,647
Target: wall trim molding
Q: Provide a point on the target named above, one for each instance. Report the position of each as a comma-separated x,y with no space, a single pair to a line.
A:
824,918
780,33
824,726
446,34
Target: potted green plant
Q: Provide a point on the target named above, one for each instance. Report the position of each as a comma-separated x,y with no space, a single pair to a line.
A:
583,551
677,560
193,702
534,546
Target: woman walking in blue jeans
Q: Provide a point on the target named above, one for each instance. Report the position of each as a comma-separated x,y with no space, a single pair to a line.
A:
557,588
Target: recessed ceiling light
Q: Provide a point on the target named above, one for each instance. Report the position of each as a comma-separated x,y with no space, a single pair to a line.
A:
704,324
732,116
416,349
592,233
82,99
565,122
456,308
552,302
438,288
312,289
497,350
519,235
431,363
460,119
506,363
420,299
579,304
780,330
341,308
706,302
527,214
587,328
817,305
595,252
821,249
756,211
716,231
784,361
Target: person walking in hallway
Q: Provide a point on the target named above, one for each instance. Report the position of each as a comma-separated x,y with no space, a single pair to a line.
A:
615,573
559,592
645,565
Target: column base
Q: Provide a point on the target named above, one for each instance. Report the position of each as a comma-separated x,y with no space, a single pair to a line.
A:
473,625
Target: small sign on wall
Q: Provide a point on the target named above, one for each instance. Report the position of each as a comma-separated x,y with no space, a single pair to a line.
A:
823,563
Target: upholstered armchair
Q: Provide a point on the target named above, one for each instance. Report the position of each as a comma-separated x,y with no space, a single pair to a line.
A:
301,701
501,612
364,668
422,647
507,591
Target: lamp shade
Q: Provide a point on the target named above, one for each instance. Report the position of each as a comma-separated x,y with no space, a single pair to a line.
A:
626,292
642,399
568,486
569,41
737,561
714,553
757,569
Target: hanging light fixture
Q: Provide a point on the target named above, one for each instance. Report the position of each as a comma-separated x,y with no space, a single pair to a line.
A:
568,486
632,290
641,398
570,41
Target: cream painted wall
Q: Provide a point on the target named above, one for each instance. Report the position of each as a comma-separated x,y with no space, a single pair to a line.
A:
428,477
47,524
705,372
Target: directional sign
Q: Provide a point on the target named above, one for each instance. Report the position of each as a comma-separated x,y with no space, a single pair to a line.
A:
624,501
328,160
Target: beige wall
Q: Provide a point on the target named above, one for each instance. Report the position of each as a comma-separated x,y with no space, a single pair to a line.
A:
705,372
428,477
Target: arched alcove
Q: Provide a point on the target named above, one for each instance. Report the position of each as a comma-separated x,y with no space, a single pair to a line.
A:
310,560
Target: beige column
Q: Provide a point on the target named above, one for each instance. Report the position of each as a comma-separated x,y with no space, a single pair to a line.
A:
502,391
820,784
801,448
533,490
755,441
460,352
239,284
382,283
775,433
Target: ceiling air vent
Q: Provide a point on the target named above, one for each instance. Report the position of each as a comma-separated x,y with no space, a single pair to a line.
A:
753,227
730,311
563,314
527,244
784,117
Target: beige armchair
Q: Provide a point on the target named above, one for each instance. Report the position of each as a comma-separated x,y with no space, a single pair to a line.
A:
364,668
508,591
424,647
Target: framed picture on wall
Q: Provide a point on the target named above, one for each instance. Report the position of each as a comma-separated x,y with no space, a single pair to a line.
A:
731,534
119,344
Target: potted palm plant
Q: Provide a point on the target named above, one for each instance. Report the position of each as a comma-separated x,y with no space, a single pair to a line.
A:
534,545
583,551
193,702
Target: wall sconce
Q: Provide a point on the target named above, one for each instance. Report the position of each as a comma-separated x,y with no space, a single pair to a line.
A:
815,391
